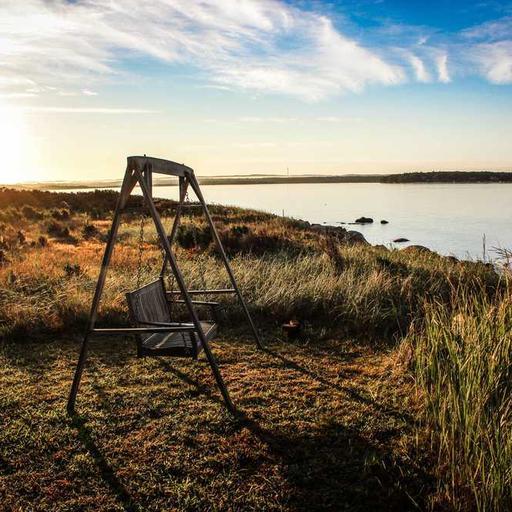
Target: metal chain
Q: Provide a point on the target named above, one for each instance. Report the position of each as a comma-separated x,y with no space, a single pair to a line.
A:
141,246
200,261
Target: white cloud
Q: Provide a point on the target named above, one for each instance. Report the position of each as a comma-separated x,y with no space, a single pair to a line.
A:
495,61
235,43
80,110
255,119
494,30
418,65
488,49
338,119
70,48
442,68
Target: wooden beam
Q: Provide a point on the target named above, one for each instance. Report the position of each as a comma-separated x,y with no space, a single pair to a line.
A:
159,166
126,189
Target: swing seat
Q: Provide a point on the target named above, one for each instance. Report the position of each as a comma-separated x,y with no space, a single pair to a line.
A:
148,307
175,344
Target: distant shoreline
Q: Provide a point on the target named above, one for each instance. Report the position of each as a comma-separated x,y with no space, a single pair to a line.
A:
404,178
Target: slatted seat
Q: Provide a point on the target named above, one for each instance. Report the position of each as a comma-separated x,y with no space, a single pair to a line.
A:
177,344
148,306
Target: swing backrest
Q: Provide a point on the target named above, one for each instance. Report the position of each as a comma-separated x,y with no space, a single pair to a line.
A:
149,304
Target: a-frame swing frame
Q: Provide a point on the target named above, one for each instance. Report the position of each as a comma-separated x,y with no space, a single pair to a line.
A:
140,169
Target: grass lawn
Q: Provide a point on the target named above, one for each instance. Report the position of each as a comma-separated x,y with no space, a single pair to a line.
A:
321,427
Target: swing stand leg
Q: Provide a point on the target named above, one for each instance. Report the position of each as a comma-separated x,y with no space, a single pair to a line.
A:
77,377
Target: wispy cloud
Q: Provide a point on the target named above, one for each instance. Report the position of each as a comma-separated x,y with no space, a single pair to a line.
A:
258,45
78,110
235,44
422,75
495,61
442,68
266,120
489,48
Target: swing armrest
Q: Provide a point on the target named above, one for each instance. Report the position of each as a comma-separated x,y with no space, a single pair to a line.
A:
203,292
198,302
141,330
163,324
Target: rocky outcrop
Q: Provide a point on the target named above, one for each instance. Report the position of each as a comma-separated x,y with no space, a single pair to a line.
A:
341,234
400,240
384,221
364,220
417,248
354,237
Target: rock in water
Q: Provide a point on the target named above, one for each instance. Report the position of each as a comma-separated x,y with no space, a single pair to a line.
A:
384,221
364,220
400,240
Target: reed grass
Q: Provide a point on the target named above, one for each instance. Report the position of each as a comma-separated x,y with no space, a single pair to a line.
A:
463,364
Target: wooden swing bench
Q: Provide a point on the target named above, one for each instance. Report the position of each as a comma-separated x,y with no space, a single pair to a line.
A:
150,307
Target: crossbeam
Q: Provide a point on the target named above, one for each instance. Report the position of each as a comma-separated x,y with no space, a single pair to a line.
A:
158,165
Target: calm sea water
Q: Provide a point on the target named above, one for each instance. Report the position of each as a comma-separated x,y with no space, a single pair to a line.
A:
448,218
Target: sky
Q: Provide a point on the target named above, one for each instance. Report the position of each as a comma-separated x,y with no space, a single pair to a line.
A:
254,86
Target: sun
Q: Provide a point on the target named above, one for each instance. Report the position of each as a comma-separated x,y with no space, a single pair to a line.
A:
15,148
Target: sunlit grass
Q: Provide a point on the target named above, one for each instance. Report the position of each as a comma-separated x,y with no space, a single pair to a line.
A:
463,362
450,320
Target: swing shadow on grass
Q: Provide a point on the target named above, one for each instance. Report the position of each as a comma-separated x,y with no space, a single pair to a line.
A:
108,474
278,453
332,467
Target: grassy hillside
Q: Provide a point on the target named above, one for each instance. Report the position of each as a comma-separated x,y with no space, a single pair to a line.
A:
430,338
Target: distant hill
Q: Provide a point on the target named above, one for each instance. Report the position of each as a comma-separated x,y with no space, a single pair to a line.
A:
259,179
449,177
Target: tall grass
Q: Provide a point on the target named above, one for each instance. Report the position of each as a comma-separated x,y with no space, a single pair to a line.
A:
463,362
461,339
376,293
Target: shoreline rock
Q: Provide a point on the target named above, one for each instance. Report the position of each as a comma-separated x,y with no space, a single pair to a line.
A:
343,235
417,248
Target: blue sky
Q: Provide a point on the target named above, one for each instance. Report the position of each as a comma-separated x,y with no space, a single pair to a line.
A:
254,86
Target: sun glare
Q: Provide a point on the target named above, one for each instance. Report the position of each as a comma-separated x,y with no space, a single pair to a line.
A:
13,146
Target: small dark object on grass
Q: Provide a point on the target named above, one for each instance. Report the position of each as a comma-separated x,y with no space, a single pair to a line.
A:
400,240
42,241
240,230
364,220
21,237
61,214
58,230
384,221
31,213
72,269
89,231
3,258
293,329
